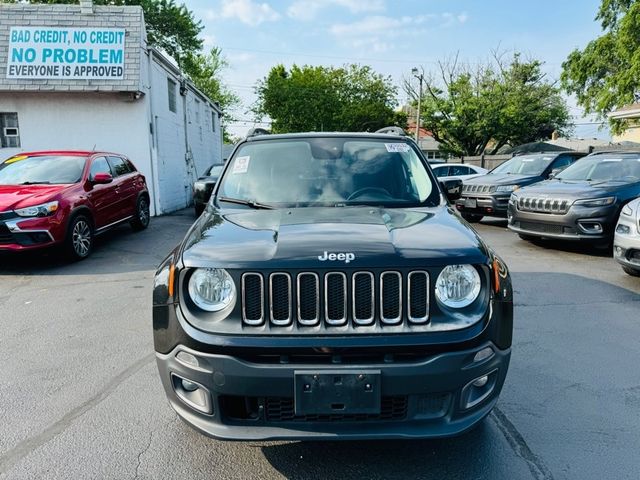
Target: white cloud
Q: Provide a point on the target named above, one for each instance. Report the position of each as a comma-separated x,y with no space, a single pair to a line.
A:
208,40
247,11
308,9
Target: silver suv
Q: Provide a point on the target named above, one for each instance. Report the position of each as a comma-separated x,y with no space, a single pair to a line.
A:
626,249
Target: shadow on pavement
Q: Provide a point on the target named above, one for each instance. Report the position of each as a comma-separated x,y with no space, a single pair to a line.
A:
460,457
116,251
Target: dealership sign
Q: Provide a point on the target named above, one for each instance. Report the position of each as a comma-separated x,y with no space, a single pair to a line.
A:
75,53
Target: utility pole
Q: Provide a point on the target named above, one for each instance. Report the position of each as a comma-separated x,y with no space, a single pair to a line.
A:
416,73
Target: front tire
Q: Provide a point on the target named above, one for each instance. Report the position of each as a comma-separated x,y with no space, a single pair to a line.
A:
143,215
631,271
471,217
79,242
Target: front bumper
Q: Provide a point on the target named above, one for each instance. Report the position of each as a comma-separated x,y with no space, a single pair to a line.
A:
244,399
493,205
18,233
592,224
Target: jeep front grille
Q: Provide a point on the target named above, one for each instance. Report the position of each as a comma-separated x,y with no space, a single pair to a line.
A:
544,205
478,188
336,299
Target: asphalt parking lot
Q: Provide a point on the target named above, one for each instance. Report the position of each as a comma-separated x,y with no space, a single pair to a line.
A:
80,396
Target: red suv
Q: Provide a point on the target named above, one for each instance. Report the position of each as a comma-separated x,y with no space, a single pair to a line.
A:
66,198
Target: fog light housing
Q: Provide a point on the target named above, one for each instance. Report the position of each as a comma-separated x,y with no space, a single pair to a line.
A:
478,390
192,394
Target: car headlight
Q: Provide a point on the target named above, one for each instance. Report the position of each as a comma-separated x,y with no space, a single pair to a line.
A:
458,286
627,211
513,199
507,188
212,289
43,210
595,202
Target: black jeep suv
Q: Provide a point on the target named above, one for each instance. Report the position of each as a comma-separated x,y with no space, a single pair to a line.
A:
329,290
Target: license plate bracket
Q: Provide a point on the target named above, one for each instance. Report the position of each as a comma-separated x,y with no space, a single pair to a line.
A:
327,392
471,203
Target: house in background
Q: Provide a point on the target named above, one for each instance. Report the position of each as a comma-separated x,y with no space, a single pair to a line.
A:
429,145
82,77
630,114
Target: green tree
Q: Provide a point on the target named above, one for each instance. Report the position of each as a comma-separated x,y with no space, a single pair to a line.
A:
170,26
474,111
308,98
606,74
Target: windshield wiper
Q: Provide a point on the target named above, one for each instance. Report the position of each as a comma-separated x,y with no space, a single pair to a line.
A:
34,183
249,203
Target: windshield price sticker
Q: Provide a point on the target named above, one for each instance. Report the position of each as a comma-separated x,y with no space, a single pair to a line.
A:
241,165
611,160
397,147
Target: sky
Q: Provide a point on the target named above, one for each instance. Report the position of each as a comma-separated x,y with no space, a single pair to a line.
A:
392,36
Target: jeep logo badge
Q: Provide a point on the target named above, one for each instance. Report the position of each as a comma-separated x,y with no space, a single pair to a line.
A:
345,257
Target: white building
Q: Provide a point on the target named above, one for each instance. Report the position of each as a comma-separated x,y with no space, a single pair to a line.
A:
83,77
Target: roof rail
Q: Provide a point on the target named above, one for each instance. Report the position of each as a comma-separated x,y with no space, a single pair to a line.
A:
620,151
257,131
392,130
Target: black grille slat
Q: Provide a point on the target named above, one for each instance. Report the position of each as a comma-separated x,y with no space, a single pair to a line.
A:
308,299
280,296
363,298
335,298
391,297
418,299
253,298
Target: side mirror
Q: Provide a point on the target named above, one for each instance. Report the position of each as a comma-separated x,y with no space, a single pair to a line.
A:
452,188
102,178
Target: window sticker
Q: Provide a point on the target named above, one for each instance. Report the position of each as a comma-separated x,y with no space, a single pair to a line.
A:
611,159
17,158
241,165
528,159
397,147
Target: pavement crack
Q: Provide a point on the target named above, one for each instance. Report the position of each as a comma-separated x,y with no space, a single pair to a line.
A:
142,452
28,445
518,444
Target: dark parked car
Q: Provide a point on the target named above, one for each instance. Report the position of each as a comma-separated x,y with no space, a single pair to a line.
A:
489,194
203,187
66,198
581,203
330,291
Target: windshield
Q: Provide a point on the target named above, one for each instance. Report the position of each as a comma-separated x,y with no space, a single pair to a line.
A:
601,168
55,169
329,172
525,165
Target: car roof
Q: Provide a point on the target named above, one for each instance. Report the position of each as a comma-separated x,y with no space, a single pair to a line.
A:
68,153
287,136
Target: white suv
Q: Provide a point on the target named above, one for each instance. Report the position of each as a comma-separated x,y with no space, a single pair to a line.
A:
626,245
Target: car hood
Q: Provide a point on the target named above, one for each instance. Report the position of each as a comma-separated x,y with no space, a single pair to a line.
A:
503,179
20,196
577,189
295,238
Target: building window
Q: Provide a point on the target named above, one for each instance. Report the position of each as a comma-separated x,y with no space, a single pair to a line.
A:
171,89
213,121
197,108
9,131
